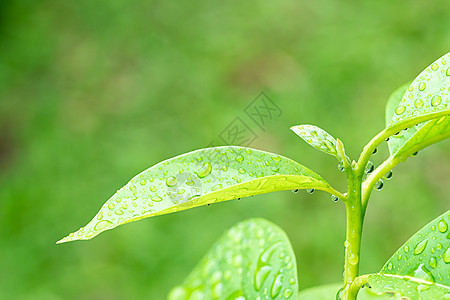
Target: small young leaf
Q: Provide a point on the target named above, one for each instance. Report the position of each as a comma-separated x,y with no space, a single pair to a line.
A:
403,287
316,137
198,178
253,259
428,94
426,255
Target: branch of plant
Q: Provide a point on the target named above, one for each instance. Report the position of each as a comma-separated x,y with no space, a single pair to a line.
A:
389,131
377,174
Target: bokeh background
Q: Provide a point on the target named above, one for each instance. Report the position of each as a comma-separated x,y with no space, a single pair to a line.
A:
93,92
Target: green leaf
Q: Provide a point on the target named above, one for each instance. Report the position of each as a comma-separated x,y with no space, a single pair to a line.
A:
316,137
426,255
198,178
323,292
394,101
423,135
253,260
428,94
397,141
403,288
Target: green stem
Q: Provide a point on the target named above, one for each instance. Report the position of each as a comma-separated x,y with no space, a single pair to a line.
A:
354,233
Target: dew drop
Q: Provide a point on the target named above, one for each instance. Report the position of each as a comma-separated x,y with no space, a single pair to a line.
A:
375,151
406,248
442,226
216,187
111,206
423,273
287,293
432,262
422,86
295,191
101,225
390,265
171,181
379,185
310,191
334,198
276,158
143,182
205,170
420,247
239,158
418,103
266,163
156,199
341,166
277,285
153,188
446,256
415,153
369,168
448,71
388,175
241,170
436,100
434,66
260,276
399,110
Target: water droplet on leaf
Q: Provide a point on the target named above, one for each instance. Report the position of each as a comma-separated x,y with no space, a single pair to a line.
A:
171,181
379,185
420,247
369,168
442,226
204,171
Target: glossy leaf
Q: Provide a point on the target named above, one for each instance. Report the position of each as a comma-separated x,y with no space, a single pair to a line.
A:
397,141
417,137
428,94
316,137
403,288
198,178
425,135
426,255
253,260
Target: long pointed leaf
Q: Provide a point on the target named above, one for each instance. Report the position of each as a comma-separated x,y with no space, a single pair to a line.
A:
198,178
253,260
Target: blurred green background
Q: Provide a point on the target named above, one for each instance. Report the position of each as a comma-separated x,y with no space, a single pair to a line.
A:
93,92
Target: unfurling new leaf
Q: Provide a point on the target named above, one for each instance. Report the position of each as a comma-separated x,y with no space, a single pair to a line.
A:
198,178
253,260
316,137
